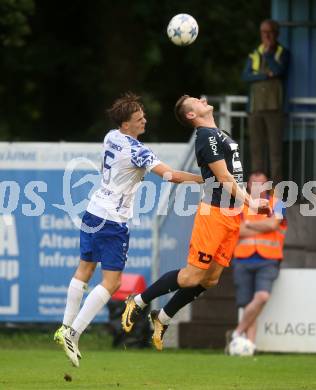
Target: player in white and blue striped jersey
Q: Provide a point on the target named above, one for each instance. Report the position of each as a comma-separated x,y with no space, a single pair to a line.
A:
104,235
125,162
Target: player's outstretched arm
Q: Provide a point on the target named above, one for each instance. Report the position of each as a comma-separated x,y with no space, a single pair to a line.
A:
223,176
170,174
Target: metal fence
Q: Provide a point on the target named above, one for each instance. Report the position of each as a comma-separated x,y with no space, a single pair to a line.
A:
299,142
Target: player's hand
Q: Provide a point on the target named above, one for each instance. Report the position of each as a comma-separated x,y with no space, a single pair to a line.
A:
260,206
265,210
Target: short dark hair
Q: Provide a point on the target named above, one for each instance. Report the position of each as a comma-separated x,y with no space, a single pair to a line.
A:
180,111
273,23
124,107
258,172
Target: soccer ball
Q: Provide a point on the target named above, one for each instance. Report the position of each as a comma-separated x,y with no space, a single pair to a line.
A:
182,29
240,346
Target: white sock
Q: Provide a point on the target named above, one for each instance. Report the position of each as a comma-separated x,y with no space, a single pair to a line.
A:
139,302
235,334
163,317
74,297
94,302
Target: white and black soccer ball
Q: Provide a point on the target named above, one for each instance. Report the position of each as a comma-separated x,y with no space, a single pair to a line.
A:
182,29
240,346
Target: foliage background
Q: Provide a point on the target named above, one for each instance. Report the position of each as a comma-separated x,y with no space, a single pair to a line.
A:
63,62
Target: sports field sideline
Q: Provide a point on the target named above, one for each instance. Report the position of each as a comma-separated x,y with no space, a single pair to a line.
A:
44,368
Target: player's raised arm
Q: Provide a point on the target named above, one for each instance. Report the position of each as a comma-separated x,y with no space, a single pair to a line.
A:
165,171
223,176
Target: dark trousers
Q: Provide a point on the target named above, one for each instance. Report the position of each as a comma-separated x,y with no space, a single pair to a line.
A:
266,130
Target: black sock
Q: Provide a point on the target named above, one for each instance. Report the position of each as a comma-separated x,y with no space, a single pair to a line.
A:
167,283
181,298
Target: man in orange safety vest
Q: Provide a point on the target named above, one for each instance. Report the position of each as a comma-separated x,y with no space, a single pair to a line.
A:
257,258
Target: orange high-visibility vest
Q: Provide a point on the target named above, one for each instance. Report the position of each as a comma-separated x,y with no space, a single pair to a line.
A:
268,245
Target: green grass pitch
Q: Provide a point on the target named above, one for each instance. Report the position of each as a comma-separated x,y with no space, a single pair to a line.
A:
45,368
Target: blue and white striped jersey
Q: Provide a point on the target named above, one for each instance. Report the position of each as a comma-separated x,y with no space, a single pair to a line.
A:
125,162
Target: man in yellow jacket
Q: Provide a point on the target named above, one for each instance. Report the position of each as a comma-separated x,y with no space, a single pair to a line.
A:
257,258
266,72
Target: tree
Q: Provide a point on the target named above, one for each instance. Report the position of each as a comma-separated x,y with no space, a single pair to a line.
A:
14,24
58,80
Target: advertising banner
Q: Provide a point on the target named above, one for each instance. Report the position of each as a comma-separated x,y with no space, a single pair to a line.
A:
44,190
288,321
